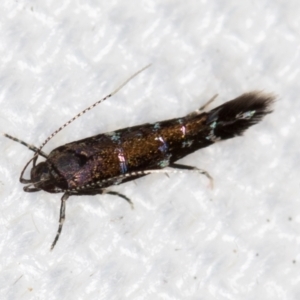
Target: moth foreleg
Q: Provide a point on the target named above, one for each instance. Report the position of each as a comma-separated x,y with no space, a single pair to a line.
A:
62,215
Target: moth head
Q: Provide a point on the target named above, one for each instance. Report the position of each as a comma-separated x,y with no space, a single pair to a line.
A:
44,177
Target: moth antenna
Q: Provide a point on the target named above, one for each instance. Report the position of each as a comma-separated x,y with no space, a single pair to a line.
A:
30,147
91,107
38,150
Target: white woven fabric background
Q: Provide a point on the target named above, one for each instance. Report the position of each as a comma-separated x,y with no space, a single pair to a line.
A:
183,240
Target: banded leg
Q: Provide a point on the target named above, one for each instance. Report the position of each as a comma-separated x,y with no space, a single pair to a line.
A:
120,195
191,168
62,216
97,191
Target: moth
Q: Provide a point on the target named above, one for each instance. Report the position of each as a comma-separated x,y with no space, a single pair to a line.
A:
91,165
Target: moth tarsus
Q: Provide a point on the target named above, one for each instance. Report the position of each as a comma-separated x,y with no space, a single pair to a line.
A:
91,165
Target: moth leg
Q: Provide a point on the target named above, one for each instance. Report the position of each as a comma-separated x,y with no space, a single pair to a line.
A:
203,107
102,191
191,168
120,195
62,215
